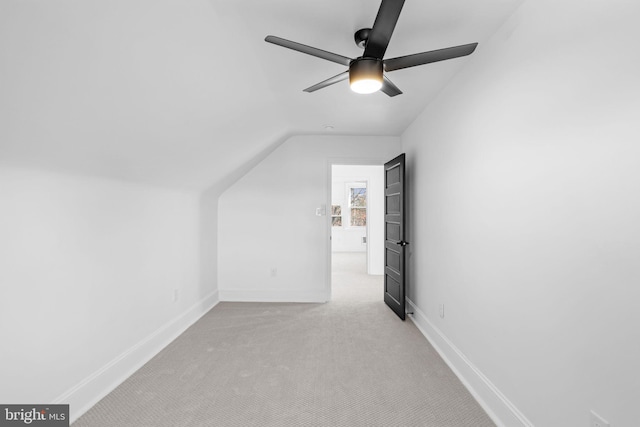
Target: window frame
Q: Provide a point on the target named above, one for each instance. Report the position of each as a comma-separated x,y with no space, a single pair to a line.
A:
349,186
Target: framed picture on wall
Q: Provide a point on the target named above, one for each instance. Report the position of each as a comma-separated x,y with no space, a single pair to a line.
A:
336,216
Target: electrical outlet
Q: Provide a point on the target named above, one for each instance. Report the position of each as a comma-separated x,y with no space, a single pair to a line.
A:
598,421
176,295
441,310
274,272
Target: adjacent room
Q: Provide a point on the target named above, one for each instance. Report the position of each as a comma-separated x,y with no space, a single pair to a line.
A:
200,226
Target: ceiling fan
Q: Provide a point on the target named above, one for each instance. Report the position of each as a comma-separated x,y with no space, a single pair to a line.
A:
366,72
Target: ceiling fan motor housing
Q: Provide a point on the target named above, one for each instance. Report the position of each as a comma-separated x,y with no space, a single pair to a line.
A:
365,68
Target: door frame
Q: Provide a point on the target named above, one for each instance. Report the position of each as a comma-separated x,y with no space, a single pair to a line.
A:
341,161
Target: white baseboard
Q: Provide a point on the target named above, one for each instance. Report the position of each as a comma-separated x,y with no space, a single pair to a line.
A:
89,391
271,295
498,407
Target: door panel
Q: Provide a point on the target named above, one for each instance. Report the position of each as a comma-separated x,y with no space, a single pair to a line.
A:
393,203
393,260
393,232
394,218
393,175
393,289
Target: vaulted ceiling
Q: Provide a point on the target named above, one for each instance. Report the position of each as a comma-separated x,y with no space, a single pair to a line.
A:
182,92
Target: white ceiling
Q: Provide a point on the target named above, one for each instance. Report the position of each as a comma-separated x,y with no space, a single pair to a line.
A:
180,93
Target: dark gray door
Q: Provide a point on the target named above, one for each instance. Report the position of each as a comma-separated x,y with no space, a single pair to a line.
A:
394,220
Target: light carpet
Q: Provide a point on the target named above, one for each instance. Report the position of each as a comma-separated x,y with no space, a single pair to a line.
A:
349,362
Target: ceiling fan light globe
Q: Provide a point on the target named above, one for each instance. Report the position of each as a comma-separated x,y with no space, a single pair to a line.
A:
365,75
365,86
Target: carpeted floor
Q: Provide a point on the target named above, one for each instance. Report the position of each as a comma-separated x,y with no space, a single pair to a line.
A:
349,362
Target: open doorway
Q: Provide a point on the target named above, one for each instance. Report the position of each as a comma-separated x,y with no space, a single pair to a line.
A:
357,231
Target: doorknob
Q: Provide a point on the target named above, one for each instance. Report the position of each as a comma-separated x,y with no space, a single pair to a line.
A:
402,243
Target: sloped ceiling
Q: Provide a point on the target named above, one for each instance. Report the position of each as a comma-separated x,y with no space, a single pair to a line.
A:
181,93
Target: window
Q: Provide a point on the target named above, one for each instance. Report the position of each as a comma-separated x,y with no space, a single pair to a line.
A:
358,205
336,215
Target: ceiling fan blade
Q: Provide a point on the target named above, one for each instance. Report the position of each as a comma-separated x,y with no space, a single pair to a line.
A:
329,56
330,81
383,27
407,61
389,88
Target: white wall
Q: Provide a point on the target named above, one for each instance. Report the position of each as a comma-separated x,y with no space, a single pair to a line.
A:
271,244
525,184
88,272
349,239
